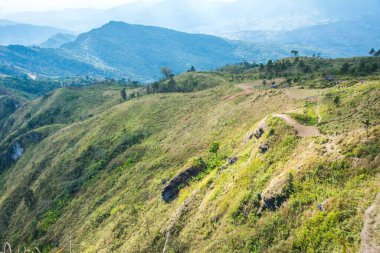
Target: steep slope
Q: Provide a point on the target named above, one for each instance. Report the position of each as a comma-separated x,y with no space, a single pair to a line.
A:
64,106
43,62
100,180
137,52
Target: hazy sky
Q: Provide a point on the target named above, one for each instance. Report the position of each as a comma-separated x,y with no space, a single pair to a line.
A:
11,6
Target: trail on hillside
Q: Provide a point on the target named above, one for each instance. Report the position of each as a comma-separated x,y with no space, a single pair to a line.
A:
370,234
302,130
247,90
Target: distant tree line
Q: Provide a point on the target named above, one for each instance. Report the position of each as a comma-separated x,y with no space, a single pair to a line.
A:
301,66
169,84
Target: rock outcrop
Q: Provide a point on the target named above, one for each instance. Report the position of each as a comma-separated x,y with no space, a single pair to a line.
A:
260,130
232,160
276,193
17,151
264,147
171,191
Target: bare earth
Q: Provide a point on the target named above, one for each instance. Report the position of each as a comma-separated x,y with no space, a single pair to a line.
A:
370,234
297,93
302,131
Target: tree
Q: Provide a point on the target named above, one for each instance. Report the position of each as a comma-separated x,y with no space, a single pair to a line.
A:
377,54
262,68
362,66
295,53
270,66
172,84
367,124
123,94
337,100
192,69
166,72
155,86
345,68
307,69
375,67
372,51
214,148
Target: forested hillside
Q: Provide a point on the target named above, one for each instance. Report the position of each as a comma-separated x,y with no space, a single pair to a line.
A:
136,52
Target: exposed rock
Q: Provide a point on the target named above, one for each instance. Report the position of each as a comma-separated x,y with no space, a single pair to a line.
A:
258,133
222,168
232,160
260,130
264,148
274,203
24,142
17,151
248,137
171,191
275,194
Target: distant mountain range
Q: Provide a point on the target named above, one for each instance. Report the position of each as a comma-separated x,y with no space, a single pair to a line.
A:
210,17
58,40
335,28
337,39
12,33
137,52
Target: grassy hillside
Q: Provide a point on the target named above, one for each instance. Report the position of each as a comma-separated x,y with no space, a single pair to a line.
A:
99,180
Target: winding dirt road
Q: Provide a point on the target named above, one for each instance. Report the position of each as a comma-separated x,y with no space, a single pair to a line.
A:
302,130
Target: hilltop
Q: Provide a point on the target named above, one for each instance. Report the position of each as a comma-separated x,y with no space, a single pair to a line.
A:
200,162
13,33
136,52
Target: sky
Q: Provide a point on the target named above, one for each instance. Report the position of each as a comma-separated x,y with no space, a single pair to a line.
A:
13,6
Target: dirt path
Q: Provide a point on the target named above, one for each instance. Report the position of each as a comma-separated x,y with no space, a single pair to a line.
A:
243,93
302,131
370,234
247,90
301,94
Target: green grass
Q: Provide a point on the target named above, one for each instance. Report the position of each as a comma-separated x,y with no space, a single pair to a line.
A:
309,116
99,178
